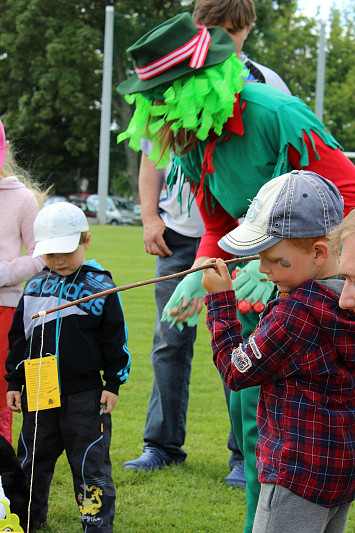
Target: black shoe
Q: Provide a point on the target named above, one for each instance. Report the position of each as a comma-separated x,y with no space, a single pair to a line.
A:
37,525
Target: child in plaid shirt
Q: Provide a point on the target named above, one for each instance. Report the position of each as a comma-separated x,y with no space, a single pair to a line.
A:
301,353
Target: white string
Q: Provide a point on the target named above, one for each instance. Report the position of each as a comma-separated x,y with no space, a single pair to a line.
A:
41,314
36,424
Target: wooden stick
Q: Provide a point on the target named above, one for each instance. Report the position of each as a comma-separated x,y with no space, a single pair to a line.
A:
141,283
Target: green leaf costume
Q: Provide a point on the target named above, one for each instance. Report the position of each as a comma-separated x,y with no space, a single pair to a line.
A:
237,168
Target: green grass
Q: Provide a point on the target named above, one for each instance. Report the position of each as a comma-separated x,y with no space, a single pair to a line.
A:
191,497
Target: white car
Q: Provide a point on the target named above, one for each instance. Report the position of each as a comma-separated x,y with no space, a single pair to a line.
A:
113,215
137,212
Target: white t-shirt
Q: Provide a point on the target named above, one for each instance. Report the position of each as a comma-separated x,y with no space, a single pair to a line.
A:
174,214
264,74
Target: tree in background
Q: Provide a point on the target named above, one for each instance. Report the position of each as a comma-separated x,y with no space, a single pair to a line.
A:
339,101
289,47
50,68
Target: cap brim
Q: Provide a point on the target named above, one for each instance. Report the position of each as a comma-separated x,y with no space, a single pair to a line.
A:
245,240
221,48
57,245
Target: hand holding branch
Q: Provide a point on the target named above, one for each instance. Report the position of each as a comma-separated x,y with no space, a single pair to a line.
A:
217,279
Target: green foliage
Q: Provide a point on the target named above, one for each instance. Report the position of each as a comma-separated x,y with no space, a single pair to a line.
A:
339,102
191,497
296,65
50,90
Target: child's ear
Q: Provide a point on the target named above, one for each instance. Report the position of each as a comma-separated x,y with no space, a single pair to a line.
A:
320,252
87,241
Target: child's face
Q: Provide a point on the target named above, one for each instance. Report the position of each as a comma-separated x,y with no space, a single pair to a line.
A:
287,266
66,264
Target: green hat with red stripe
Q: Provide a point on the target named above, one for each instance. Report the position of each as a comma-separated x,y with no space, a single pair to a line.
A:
176,48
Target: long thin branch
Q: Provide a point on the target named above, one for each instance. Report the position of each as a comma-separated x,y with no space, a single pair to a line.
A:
141,283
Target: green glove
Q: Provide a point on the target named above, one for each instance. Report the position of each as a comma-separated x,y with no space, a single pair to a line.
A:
190,287
250,284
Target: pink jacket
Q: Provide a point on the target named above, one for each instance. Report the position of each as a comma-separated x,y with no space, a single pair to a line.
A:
18,209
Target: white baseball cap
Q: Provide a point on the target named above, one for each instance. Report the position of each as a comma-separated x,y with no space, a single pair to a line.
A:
58,228
294,205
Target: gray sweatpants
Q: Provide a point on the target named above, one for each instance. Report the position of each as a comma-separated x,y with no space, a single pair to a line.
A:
281,510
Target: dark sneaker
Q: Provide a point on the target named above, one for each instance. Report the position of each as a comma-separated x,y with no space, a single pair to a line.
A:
152,458
236,478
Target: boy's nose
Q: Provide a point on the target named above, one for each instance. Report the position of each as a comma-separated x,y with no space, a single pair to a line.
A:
262,268
59,260
347,297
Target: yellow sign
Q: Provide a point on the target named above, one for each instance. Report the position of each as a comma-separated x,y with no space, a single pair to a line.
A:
42,383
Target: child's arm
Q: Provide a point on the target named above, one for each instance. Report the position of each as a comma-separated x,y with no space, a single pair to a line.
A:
216,279
116,356
108,401
266,355
13,400
17,352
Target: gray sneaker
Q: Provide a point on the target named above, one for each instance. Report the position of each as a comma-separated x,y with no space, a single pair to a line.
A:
152,458
236,478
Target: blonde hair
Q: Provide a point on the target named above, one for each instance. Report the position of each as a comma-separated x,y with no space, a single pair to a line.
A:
180,142
306,243
239,13
345,229
11,168
83,236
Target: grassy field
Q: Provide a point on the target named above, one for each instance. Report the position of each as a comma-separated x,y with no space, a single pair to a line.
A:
191,497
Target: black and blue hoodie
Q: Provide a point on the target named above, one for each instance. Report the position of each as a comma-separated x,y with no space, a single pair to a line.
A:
87,338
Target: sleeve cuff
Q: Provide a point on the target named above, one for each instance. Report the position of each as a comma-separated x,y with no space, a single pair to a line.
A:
222,303
112,385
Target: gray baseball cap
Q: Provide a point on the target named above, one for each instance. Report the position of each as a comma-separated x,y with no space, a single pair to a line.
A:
296,205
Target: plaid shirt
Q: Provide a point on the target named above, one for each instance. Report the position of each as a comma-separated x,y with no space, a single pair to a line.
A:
302,354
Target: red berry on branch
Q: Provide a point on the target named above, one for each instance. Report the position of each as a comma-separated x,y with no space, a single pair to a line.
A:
258,307
244,307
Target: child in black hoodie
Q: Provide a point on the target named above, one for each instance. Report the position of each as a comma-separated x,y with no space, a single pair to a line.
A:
78,343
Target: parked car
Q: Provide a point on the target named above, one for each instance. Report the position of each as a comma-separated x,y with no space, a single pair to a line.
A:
89,203
125,206
113,215
137,212
54,199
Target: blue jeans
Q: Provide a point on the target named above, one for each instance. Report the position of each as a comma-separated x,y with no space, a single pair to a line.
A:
171,358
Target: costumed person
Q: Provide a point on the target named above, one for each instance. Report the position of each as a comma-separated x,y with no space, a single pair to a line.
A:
73,410
301,354
231,137
20,200
172,232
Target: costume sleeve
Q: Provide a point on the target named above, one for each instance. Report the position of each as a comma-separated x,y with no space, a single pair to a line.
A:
23,267
267,355
332,164
17,349
217,223
113,343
